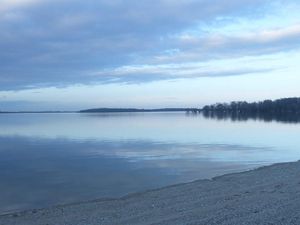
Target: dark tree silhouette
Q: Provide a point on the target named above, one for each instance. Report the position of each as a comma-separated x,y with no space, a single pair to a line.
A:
286,110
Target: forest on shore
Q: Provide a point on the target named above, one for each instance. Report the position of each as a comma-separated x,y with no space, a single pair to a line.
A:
285,109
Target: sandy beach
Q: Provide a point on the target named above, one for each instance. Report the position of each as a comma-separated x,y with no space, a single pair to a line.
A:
267,195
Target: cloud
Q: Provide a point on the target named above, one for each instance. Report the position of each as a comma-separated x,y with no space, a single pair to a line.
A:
216,46
276,35
6,5
54,43
148,73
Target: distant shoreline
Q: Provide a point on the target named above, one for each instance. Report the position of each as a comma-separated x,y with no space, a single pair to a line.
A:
267,108
108,110
267,195
111,110
37,112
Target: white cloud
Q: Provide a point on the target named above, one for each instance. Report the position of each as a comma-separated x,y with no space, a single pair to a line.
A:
208,46
6,5
56,42
279,34
213,68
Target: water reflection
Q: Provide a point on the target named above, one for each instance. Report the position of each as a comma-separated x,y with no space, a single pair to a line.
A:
42,172
48,159
244,116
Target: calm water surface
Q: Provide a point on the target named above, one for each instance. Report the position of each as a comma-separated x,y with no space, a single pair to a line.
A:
48,159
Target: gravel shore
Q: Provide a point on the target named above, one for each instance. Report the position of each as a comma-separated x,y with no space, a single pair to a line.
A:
267,195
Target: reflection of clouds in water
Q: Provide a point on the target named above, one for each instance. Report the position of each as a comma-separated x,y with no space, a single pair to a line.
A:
56,158
52,171
143,150
135,151
147,150
156,128
55,171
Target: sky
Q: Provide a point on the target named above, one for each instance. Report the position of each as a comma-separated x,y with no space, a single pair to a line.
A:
74,54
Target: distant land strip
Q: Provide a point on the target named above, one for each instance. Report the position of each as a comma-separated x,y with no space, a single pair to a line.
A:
277,107
15,112
110,110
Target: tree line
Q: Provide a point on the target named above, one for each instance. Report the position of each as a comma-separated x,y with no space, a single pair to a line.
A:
285,109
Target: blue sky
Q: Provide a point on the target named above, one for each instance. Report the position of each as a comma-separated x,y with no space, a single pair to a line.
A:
74,54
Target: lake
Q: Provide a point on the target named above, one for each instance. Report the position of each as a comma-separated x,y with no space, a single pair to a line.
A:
49,159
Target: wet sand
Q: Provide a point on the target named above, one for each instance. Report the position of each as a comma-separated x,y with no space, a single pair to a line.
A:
267,195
